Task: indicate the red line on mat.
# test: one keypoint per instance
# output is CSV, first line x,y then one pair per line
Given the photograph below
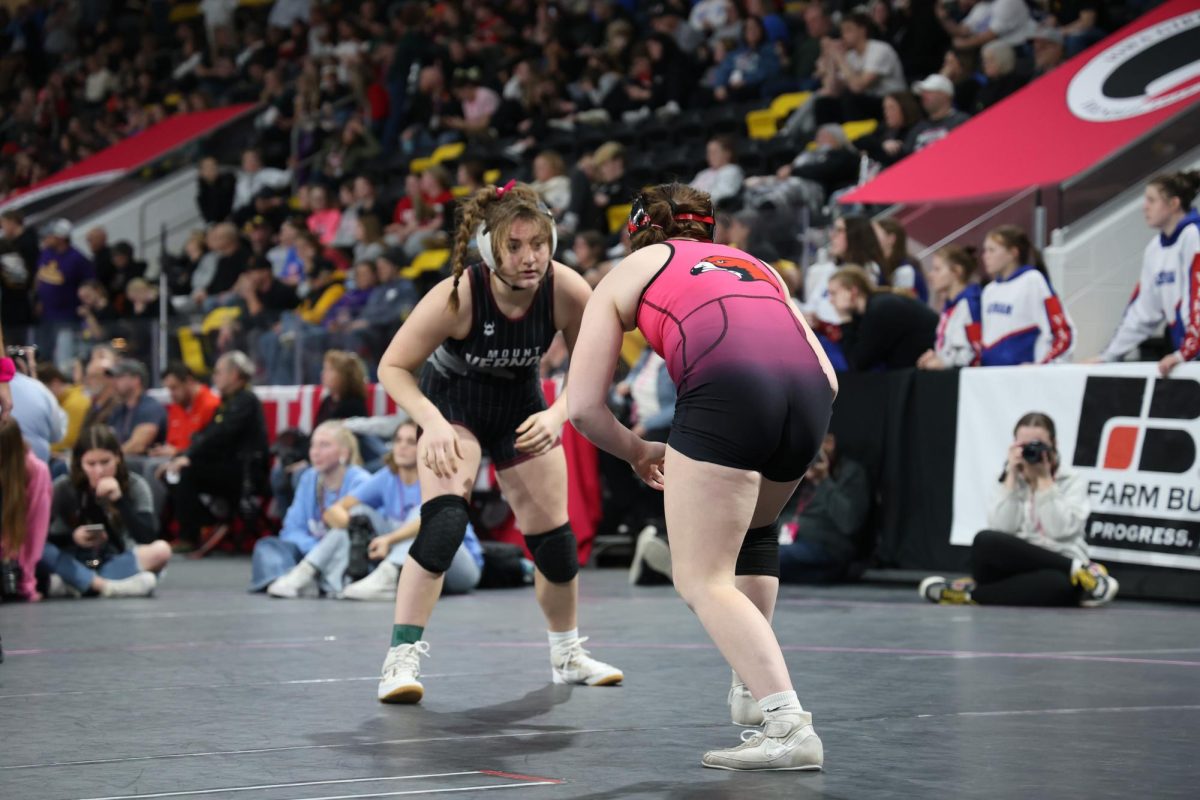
x,y
516,777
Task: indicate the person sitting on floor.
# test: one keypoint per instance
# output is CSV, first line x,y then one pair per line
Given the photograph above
x,y
831,508
103,536
376,525
288,564
1035,553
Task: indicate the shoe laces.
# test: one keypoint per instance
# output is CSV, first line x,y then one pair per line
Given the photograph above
x,y
751,735
405,657
571,651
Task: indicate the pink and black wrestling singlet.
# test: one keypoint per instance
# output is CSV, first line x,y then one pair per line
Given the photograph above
x,y
752,394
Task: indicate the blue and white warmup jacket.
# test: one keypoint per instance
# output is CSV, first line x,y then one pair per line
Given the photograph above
x,y
1024,321
1168,291
959,331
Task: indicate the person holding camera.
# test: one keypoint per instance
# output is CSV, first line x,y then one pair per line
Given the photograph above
x,y
24,514
103,532
1034,553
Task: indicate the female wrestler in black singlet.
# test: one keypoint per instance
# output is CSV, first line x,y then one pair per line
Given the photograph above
x,y
480,392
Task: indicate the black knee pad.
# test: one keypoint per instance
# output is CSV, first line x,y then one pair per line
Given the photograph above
x,y
760,552
443,526
555,553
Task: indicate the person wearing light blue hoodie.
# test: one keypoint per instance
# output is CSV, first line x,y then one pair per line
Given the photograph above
x,y
387,508
292,563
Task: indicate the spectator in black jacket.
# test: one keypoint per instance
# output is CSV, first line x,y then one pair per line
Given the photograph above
x,y
831,508
879,329
999,65
901,112
214,194
227,457
18,265
103,532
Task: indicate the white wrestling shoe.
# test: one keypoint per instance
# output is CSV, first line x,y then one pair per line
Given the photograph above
x,y
571,664
782,744
401,668
743,708
379,585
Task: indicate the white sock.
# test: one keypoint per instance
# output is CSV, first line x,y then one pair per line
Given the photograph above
x,y
306,569
1077,565
779,704
737,679
559,637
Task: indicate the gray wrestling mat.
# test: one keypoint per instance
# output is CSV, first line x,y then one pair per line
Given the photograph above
x,y
209,693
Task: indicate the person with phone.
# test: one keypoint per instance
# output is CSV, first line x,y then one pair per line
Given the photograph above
x,y
103,532
1034,553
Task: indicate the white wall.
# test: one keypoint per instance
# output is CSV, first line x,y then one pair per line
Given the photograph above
x,y
1095,263
139,217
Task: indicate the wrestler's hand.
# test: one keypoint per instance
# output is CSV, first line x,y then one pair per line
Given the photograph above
x,y
648,463
539,432
440,449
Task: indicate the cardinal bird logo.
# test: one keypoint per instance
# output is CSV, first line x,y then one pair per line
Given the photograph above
x,y
744,269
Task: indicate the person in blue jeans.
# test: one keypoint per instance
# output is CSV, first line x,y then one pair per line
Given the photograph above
x,y
103,536
388,508
285,565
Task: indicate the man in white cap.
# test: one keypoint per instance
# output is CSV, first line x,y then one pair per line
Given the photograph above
x,y
937,98
61,270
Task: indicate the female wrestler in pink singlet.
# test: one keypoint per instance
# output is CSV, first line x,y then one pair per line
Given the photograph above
x,y
755,392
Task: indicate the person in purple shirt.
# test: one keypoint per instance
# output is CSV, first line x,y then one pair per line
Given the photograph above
x,y
61,269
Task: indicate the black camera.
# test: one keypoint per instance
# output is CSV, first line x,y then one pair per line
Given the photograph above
x,y
1033,452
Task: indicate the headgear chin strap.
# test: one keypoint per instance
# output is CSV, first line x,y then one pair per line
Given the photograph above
x,y
483,237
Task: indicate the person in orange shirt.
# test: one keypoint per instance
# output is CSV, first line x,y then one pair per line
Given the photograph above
x,y
191,409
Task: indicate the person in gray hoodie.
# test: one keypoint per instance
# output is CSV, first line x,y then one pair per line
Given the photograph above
x,y
1035,553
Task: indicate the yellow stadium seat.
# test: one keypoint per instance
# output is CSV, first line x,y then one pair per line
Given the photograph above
x,y
448,152
184,12
618,216
785,104
859,128
491,176
761,123
459,191
632,346
426,261
192,351
419,165
218,318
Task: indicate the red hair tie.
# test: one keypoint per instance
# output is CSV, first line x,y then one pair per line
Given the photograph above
x,y
694,218
505,189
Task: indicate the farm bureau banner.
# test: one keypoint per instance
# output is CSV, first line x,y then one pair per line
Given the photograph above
x,y
1134,438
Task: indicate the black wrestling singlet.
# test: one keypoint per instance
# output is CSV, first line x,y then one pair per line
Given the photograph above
x,y
488,382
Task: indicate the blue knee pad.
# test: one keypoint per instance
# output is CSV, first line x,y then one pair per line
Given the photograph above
x,y
760,552
443,525
555,553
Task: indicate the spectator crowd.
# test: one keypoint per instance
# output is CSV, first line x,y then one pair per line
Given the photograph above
x,y
372,121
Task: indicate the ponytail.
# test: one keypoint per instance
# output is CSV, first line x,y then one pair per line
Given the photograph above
x,y
471,214
1181,185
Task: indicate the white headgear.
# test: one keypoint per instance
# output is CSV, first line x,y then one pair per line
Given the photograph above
x,y
483,235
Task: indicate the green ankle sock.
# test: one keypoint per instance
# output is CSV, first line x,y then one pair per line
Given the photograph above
x,y
406,634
